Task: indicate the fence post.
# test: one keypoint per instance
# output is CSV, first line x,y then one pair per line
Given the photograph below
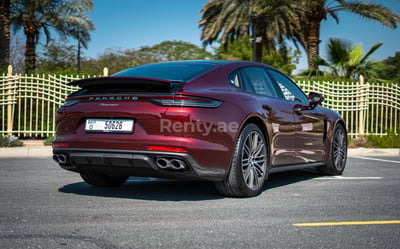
x,y
10,114
105,71
361,110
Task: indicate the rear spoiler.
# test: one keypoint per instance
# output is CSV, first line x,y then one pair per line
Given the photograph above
x,y
134,83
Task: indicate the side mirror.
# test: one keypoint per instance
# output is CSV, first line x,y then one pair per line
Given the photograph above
x,y
315,99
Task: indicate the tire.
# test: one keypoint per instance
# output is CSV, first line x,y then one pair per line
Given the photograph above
x,y
103,180
338,153
250,166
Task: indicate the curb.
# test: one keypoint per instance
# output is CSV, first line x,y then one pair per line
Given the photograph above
x,y
373,152
34,151
47,151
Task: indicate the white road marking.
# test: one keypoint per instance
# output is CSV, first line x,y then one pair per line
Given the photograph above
x,y
376,159
349,178
347,223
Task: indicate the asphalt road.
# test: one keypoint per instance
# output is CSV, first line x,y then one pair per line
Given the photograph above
x,y
43,206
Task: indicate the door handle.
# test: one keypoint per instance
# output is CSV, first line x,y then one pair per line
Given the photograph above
x,y
267,107
298,109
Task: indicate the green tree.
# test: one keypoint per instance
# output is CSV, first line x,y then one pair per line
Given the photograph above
x,y
114,59
4,34
347,60
228,20
67,18
318,10
57,58
241,49
282,58
299,21
175,50
389,68
117,60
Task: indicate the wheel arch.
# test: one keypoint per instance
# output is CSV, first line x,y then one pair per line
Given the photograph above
x,y
261,125
330,137
338,122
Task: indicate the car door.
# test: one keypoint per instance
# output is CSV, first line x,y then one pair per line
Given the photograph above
x,y
278,117
310,123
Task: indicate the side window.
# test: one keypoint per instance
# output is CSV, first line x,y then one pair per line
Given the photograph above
x,y
290,91
258,79
235,80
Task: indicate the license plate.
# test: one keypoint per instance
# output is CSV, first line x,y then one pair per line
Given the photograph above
x,y
109,125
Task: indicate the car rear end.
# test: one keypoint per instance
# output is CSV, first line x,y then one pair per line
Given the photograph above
x,y
141,126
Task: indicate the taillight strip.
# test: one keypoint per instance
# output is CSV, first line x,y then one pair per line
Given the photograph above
x,y
162,100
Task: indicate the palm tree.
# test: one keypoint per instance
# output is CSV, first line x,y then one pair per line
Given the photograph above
x,y
227,20
318,10
4,33
65,17
299,21
347,60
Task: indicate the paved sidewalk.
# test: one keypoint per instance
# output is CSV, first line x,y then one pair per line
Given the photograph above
x,y
373,152
37,149
31,148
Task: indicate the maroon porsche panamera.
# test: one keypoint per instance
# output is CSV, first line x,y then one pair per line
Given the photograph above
x,y
227,122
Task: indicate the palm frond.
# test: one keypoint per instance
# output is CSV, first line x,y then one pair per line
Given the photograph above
x,y
370,51
370,10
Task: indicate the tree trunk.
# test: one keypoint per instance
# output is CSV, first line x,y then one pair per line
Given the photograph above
x,y
313,43
4,34
31,31
315,14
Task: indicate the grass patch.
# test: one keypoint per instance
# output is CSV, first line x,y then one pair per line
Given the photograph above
x,y
391,140
48,141
10,142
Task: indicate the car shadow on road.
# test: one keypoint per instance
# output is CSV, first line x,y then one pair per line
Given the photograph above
x,y
290,177
144,188
158,189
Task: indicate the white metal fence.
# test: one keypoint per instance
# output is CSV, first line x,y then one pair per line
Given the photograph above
x,y
28,104
367,108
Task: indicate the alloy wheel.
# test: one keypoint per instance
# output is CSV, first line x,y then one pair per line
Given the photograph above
x,y
254,156
339,149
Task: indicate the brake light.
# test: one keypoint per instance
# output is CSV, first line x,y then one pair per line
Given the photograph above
x,y
60,145
167,148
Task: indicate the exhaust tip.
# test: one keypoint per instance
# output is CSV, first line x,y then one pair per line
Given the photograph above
x,y
163,163
171,163
178,164
60,158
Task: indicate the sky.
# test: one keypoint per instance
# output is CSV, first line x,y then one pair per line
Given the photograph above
x,y
127,24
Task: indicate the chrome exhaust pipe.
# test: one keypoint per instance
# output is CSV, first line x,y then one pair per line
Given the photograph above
x,y
60,158
166,163
163,163
178,164
55,158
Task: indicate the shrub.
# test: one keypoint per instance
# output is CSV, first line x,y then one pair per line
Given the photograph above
x,y
10,142
391,140
48,141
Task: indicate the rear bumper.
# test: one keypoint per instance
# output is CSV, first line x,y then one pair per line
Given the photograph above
x,y
134,163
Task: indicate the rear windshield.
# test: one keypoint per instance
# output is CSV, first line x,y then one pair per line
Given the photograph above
x,y
167,71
